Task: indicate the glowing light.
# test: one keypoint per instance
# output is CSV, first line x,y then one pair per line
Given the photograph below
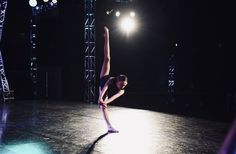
x,y
108,12
135,136
45,0
127,25
33,3
132,14
117,13
26,148
54,1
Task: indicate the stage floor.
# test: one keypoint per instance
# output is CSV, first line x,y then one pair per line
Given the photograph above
x,y
41,127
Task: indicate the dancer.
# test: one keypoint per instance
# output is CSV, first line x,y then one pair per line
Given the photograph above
x,y
110,88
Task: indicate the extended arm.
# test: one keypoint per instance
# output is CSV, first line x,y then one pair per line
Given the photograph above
x,y
102,92
112,98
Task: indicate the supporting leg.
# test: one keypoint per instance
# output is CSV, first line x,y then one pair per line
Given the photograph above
x,y
106,117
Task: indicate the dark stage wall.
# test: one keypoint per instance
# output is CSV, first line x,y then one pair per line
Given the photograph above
x,y
60,50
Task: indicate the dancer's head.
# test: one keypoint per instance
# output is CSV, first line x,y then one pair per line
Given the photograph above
x,y
121,81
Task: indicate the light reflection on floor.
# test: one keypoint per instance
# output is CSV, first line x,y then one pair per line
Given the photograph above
x,y
25,148
80,128
136,134
3,119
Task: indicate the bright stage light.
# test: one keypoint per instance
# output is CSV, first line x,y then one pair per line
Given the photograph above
x,y
108,12
45,0
132,14
117,13
33,3
54,1
127,25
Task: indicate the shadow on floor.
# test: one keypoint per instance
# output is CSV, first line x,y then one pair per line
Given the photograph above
x,y
90,149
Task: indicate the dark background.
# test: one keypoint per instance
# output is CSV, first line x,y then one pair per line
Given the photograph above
x,y
205,65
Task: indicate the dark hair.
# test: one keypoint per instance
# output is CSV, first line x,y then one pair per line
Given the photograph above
x,y
121,78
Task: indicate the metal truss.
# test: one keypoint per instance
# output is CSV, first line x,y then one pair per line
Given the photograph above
x,y
3,8
33,56
171,78
90,52
39,9
4,86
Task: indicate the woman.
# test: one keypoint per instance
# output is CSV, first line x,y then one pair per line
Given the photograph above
x,y
110,88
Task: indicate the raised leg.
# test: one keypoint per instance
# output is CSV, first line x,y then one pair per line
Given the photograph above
x,y
106,60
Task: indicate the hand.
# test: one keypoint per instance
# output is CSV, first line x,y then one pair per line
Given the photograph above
x,y
100,100
102,103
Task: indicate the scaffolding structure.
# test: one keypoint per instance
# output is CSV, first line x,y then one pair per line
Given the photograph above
x,y
90,52
5,92
171,78
33,55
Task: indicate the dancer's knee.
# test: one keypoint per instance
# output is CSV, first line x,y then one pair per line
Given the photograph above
x,y
102,106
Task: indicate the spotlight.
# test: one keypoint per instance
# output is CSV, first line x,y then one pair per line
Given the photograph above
x,y
37,7
132,14
109,12
51,3
127,25
117,13
33,3
45,0
54,1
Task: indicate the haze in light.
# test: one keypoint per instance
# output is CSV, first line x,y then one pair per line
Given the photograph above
x,y
132,14
127,25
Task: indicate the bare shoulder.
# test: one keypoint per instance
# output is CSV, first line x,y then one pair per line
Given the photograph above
x,y
110,78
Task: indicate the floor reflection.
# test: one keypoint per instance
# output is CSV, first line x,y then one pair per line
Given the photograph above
x,y
59,127
136,134
3,119
26,148
150,132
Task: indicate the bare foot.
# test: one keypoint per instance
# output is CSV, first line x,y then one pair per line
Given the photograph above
x,y
106,29
106,32
112,130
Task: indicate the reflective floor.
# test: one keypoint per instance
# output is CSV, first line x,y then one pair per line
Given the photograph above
x,y
40,127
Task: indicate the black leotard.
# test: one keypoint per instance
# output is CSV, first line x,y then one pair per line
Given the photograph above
x,y
112,88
